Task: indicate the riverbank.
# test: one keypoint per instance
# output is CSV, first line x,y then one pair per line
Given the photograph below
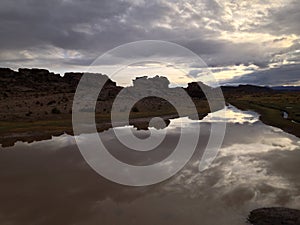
x,y
37,104
271,108
29,131
270,116
35,130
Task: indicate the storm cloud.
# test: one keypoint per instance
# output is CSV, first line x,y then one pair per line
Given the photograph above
x,y
287,74
69,34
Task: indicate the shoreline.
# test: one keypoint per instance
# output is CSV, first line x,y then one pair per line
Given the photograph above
x,y
29,131
269,116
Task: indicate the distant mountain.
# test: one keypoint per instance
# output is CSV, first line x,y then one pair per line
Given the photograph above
x,y
246,89
286,88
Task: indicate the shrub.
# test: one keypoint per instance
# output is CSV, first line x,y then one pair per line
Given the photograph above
x,y
55,111
135,109
29,113
51,102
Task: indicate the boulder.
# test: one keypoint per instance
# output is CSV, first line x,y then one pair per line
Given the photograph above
x,y
274,216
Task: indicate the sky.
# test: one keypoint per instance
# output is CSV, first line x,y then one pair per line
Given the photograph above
x,y
240,41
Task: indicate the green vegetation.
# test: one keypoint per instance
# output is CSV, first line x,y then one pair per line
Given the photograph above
x,y
11,131
269,105
271,108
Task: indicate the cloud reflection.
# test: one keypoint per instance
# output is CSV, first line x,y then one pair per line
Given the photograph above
x,y
257,166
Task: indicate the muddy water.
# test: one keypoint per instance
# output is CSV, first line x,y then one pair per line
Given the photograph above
x,y
48,182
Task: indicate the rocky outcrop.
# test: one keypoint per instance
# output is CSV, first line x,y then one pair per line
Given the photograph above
x,y
41,80
72,78
197,89
33,94
38,93
38,75
275,216
6,72
29,80
157,82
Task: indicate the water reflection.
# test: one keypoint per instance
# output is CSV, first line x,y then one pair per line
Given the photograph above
x,y
48,182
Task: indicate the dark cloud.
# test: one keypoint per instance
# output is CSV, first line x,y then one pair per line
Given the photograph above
x,y
285,20
75,32
287,74
204,47
98,26
59,23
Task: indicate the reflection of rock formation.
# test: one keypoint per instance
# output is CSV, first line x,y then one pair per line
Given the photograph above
x,y
144,124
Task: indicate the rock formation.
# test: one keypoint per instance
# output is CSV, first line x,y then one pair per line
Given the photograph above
x,y
275,216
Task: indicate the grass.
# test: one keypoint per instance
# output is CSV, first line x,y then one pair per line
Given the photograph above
x,y
11,131
271,108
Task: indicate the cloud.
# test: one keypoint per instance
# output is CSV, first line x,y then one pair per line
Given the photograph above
x,y
287,74
74,32
285,21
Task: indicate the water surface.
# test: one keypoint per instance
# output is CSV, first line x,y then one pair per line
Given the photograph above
x,y
48,182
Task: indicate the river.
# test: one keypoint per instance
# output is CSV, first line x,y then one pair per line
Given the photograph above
x,y
48,182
